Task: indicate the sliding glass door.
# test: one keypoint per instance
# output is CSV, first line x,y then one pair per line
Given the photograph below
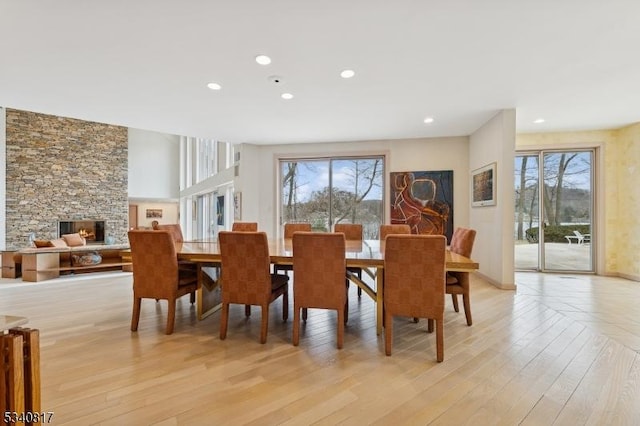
x,y
556,186
327,191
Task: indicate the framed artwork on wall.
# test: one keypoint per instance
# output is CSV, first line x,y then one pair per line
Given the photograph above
x,y
483,186
237,205
423,200
154,213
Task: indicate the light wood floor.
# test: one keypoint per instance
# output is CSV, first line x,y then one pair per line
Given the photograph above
x,y
560,350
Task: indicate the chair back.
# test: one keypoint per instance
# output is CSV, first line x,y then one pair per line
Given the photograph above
x,y
244,227
290,228
245,275
174,229
462,241
394,229
319,267
414,275
155,263
351,231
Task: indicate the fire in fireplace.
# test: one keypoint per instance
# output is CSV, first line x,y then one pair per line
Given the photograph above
x,y
91,230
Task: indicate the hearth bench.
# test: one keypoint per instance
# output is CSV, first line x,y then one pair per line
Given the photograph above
x,y
39,264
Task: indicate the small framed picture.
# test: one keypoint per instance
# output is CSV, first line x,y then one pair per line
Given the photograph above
x,y
483,186
154,213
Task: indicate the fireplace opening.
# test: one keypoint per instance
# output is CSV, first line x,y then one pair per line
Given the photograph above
x,y
91,230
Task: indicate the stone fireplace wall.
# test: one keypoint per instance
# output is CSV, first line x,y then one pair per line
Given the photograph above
x,y
63,169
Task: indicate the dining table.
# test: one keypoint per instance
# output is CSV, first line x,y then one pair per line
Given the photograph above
x,y
365,254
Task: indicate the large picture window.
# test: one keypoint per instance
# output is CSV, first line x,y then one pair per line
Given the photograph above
x,y
326,191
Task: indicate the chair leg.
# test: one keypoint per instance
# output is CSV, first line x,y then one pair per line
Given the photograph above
x,y
341,321
467,308
296,325
388,332
285,306
430,325
247,310
359,289
171,315
440,339
304,314
135,317
264,324
454,299
346,310
224,320
192,297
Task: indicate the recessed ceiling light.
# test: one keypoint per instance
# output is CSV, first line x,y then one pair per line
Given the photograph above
x,y
538,120
286,96
347,73
428,120
214,86
263,59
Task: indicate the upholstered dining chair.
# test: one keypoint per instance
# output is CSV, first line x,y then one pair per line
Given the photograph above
x,y
319,267
246,277
176,233
393,229
289,230
414,283
174,229
458,282
352,232
156,274
244,227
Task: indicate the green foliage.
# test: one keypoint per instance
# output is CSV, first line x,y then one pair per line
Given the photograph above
x,y
556,234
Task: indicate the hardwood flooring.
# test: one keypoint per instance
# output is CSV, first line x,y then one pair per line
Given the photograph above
x,y
562,349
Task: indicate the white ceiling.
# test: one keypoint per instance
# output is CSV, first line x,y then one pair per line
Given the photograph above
x,y
146,63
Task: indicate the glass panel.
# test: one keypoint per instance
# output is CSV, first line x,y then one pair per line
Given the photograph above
x,y
527,209
357,193
567,201
305,193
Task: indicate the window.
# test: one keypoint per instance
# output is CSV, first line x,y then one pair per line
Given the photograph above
x,y
326,191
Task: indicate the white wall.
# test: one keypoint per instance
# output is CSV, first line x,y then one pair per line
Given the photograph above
x,y
493,247
154,165
170,213
258,180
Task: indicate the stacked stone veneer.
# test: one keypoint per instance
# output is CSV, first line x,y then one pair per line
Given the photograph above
x,y
63,169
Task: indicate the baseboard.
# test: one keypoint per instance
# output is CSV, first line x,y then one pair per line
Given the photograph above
x,y
631,277
501,286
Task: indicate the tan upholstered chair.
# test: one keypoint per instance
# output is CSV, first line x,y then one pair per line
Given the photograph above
x,y
352,232
246,277
244,227
174,229
458,282
289,229
393,229
414,282
319,268
156,274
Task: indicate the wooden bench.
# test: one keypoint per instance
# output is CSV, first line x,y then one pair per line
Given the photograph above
x,y
48,263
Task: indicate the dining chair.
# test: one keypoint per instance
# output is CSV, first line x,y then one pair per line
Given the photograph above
x,y
289,230
458,282
394,229
244,227
176,233
156,274
352,232
319,267
414,282
246,278
174,229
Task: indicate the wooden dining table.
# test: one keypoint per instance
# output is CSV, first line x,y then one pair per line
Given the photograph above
x,y
365,254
